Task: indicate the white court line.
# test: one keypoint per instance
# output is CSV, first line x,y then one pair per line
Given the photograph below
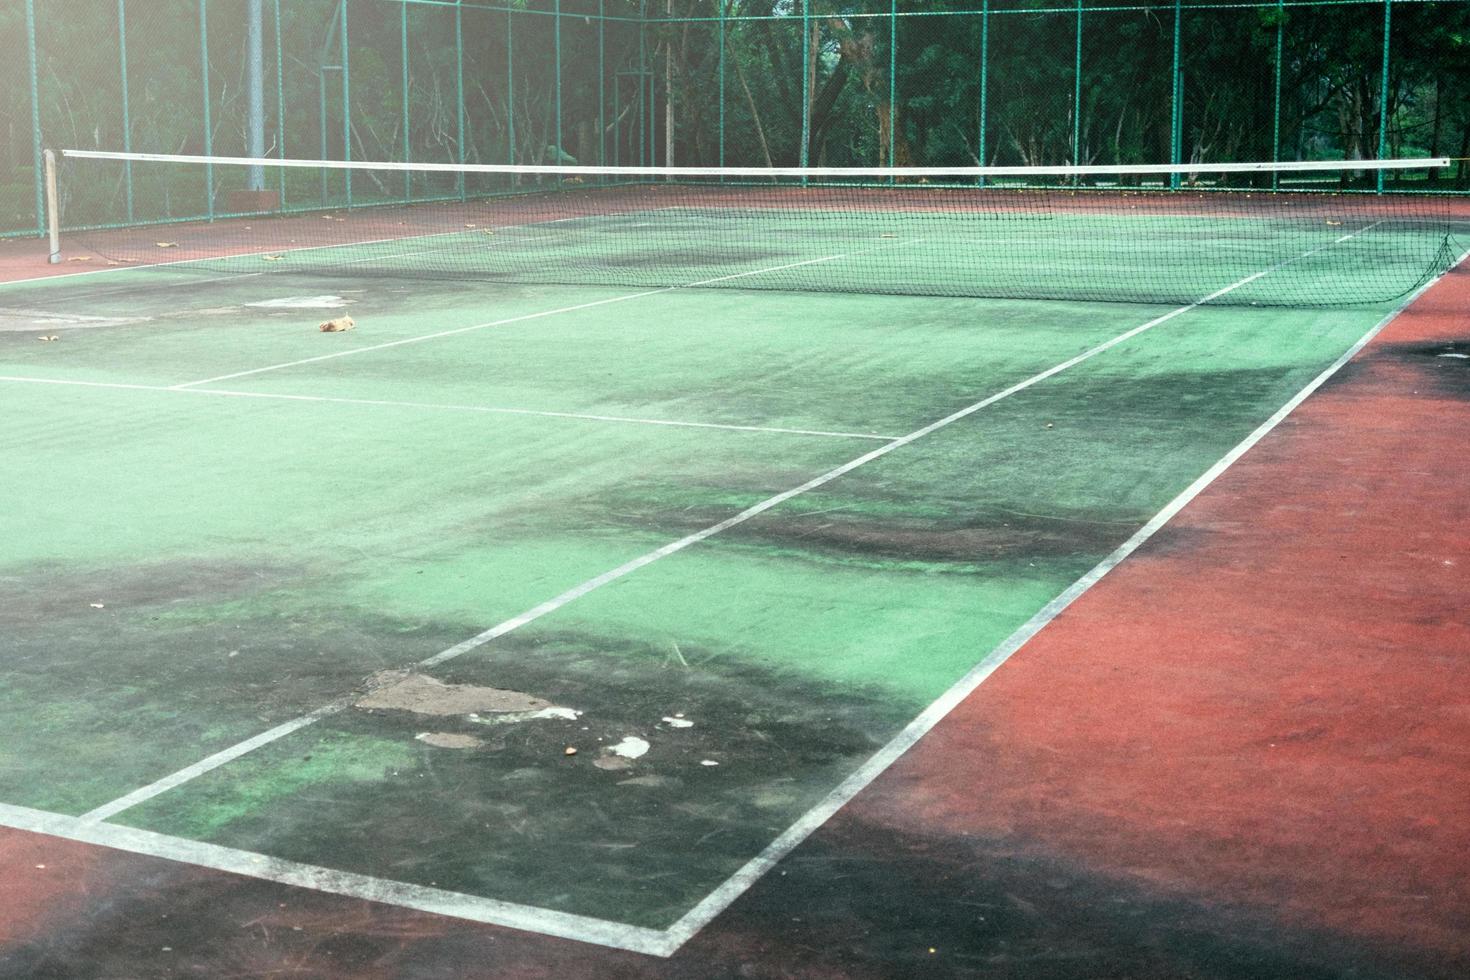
x,y
424,899
517,319
631,937
441,406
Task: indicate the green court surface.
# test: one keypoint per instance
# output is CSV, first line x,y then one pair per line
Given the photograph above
x,y
219,520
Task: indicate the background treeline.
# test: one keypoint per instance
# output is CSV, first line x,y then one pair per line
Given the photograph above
x,y
742,80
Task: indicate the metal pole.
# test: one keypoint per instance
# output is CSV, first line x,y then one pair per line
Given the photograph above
x,y
984,76
280,98
208,125
556,57
255,91
321,117
38,161
1176,97
510,89
807,68
459,92
1077,94
1276,100
669,87
1383,93
346,105
722,83
892,85
601,86
403,57
53,217
122,65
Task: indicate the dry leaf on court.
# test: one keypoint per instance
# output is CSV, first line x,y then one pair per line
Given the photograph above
x,y
338,325
167,244
271,258
47,338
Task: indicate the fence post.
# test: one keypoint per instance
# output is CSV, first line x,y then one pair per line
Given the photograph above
x,y
984,78
459,120
255,91
280,98
346,103
1383,93
602,85
804,156
556,45
1276,98
208,124
892,86
127,124
1176,103
407,112
38,161
1077,96
721,9
510,88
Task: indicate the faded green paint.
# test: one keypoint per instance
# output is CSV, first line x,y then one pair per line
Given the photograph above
x,y
258,558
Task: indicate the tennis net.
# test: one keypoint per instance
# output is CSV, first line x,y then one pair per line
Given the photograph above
x,y
1252,234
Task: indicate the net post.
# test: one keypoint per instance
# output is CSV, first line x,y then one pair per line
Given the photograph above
x,y
892,86
459,125
1383,91
1276,97
1176,98
127,124
208,123
38,162
346,63
1077,96
53,208
984,79
668,85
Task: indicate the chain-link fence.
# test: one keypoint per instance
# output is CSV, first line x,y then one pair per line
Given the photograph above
x,y
709,82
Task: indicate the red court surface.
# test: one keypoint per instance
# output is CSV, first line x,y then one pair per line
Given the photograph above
x,y
1244,753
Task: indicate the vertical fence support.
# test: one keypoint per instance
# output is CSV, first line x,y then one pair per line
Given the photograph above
x,y
806,84
208,124
510,88
556,58
1276,97
984,80
346,103
1383,91
459,121
407,109
1176,100
669,86
127,122
892,87
1077,93
721,9
255,91
38,161
601,86
280,98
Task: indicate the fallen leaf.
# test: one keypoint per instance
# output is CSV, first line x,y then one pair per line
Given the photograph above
x,y
339,325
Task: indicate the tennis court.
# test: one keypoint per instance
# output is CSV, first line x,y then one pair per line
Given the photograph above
x,y
574,608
